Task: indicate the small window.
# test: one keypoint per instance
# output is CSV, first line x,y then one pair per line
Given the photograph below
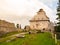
x,y
50,30
43,28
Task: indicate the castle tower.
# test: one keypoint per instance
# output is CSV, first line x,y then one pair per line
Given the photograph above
x,y
40,21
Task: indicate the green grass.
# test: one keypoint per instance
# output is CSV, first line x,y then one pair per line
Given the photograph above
x,y
32,39
8,34
58,42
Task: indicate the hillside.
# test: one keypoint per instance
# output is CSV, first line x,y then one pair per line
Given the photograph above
x,y
32,39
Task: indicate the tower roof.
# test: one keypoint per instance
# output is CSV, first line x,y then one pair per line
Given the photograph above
x,y
41,16
41,10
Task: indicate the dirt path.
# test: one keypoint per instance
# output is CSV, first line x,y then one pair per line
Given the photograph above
x,y
14,36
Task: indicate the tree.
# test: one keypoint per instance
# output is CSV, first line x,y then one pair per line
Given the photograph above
x,y
20,26
58,18
17,25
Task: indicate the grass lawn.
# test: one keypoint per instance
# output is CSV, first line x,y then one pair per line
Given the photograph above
x,y
58,42
32,39
8,34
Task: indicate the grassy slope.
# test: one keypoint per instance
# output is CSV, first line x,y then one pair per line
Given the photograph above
x,y
58,42
32,39
8,34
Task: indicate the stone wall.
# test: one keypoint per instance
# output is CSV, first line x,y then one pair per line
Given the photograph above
x,y
7,26
39,25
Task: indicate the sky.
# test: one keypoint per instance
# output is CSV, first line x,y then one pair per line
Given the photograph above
x,y
21,11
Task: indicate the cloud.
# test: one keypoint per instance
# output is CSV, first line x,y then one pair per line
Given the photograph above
x,y
21,11
50,1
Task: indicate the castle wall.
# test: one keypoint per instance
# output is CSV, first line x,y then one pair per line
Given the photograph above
x,y
7,26
39,25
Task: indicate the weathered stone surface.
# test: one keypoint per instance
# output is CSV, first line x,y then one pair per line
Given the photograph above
x,y
41,22
7,26
20,36
27,28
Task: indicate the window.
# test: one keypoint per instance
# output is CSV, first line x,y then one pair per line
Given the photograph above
x,y
43,28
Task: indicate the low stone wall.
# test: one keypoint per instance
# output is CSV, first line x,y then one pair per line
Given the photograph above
x,y
7,26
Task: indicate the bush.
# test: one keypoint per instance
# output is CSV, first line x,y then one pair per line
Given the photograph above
x,y
57,28
2,33
58,35
38,31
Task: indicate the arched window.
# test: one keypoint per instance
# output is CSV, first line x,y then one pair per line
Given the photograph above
x,y
43,28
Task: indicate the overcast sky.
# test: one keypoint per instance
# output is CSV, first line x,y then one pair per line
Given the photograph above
x,y
21,11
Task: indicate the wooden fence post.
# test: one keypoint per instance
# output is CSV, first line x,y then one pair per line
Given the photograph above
x,y
55,39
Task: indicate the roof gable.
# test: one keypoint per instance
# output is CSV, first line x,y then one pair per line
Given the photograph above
x,y
41,15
